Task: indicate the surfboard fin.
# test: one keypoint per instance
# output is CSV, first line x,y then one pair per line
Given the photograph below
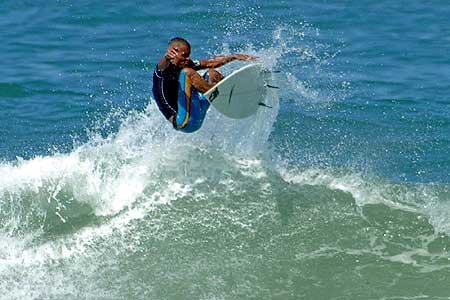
x,y
265,105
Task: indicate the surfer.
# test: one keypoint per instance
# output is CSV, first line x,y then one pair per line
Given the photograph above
x,y
178,88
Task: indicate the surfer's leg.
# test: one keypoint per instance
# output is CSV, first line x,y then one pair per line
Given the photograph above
x,y
197,81
192,105
214,76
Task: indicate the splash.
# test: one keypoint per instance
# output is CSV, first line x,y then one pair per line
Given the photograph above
x,y
109,174
423,200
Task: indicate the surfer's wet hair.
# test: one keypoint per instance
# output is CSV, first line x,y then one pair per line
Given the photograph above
x,y
179,40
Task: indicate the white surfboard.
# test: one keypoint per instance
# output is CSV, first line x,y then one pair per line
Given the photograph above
x,y
240,94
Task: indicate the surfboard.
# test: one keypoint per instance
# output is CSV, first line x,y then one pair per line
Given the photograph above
x,y
240,94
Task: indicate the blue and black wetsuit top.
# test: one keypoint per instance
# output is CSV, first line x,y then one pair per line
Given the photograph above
x,y
166,86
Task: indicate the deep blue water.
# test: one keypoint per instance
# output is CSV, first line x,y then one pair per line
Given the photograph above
x,y
341,191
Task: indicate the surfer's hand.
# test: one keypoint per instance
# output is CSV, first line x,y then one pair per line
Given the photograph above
x,y
171,54
244,57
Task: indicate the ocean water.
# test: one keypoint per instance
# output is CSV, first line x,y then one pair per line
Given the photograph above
x,y
340,191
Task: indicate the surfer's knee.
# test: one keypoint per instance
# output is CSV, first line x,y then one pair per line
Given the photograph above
x,y
214,76
197,81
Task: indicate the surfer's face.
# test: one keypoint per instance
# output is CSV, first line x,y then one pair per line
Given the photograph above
x,y
182,57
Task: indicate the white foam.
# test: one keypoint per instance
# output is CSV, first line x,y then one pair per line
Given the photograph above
x,y
251,168
122,178
422,199
364,191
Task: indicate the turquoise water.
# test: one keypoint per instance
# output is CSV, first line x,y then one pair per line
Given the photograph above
x,y
340,191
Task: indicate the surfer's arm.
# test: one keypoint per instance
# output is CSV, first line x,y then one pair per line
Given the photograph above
x,y
221,60
164,62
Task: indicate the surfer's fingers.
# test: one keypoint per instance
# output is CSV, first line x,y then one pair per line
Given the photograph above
x,y
246,57
171,53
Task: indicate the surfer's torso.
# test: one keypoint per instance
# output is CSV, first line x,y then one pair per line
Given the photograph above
x,y
165,87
